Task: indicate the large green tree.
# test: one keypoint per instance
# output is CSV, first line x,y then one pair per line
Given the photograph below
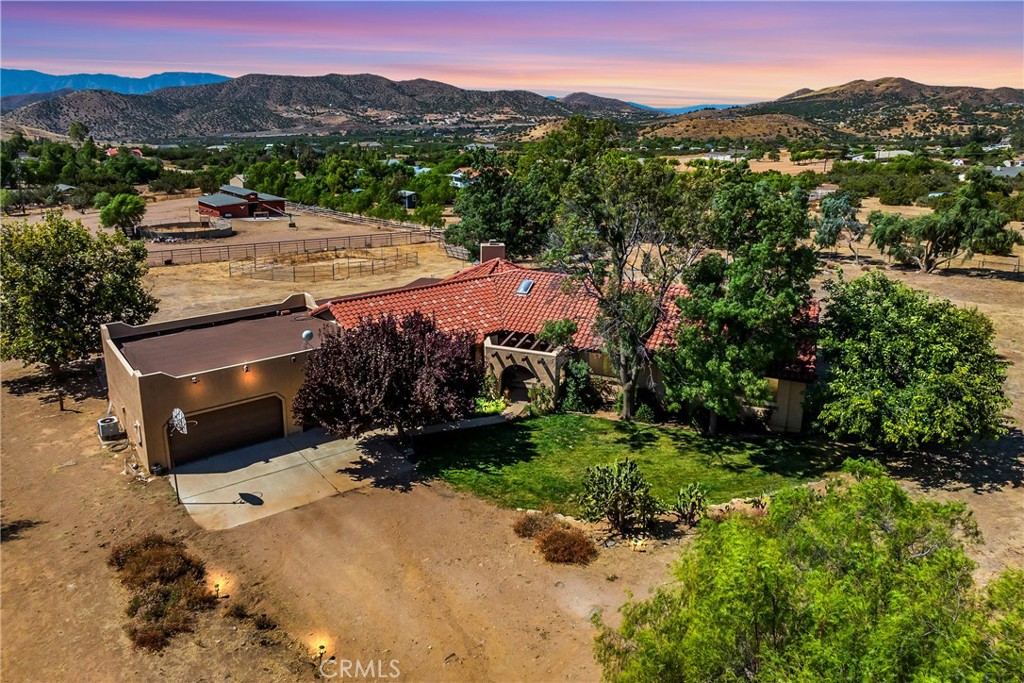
x,y
861,583
972,222
497,205
905,370
839,221
621,235
124,212
59,284
742,316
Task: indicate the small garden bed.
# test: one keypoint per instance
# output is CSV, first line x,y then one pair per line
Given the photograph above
x,y
541,462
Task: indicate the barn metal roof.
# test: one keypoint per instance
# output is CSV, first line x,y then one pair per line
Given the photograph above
x,y
221,200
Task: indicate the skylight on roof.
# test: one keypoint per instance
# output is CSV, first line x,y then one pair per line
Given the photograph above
x,y
524,287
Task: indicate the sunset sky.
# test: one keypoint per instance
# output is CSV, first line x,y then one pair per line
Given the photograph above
x,y
657,53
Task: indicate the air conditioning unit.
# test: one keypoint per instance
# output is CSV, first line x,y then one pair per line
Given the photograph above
x,y
109,428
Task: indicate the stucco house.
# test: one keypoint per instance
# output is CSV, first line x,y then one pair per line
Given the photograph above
x,y
234,374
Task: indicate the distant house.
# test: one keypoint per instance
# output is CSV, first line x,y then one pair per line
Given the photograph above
x,y
822,191
958,162
1005,171
461,177
61,188
408,198
719,156
419,170
489,146
884,155
114,151
368,145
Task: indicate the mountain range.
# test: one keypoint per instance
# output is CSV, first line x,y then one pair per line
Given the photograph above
x,y
264,105
29,82
282,105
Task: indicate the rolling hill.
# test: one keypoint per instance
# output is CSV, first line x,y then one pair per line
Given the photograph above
x,y
595,104
736,124
12,102
275,105
892,107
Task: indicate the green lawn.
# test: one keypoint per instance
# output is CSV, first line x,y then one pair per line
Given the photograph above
x,y
541,461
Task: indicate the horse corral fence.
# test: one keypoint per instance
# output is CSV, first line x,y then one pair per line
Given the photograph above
x,y
257,250
341,264
359,219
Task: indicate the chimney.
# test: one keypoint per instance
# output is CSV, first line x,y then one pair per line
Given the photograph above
x,y
491,250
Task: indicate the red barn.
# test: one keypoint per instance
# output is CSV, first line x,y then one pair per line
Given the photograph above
x,y
223,206
257,202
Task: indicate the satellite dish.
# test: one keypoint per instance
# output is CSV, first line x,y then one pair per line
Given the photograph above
x,y
307,335
178,421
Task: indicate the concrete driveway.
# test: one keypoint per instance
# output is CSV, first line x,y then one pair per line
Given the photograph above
x,y
240,486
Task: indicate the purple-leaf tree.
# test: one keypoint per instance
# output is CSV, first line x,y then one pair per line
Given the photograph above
x,y
389,372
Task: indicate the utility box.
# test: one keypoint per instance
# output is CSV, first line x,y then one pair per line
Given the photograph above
x,y
109,428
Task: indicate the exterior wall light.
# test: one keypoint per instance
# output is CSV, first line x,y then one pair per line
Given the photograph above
x,y
195,380
245,368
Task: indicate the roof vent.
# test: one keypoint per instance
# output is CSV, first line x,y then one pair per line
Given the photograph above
x,y
524,287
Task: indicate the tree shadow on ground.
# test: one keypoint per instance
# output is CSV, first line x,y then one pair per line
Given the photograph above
x,y
13,530
983,467
383,464
795,457
79,381
485,449
788,456
636,435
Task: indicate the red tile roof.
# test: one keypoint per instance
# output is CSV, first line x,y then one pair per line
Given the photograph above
x,y
483,300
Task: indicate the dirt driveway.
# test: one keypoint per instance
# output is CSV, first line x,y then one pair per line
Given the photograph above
x,y
397,569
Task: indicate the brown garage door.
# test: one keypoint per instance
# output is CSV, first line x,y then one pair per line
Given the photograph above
x,y
228,428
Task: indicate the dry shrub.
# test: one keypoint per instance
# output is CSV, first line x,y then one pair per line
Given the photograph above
x,y
168,587
566,545
154,560
239,611
152,637
264,623
530,524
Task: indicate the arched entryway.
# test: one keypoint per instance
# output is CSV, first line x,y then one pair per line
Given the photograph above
x,y
516,381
